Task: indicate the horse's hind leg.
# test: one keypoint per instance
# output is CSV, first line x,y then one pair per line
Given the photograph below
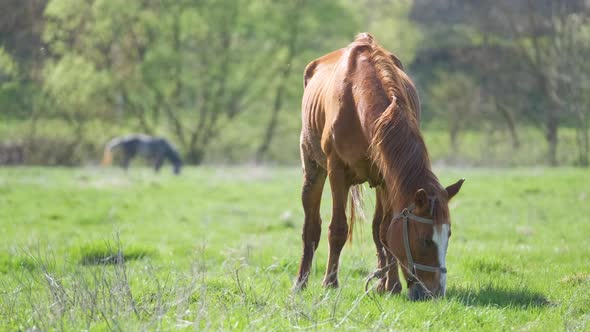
x,y
311,194
338,230
377,220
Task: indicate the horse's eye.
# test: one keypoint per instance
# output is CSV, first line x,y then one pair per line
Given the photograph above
x,y
427,243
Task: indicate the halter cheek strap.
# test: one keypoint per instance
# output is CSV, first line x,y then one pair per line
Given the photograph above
x,y
407,215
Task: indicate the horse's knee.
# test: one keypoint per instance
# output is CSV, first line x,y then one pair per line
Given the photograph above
x,y
311,195
382,234
376,230
307,197
338,233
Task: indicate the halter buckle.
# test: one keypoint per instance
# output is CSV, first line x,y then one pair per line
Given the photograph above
x,y
405,212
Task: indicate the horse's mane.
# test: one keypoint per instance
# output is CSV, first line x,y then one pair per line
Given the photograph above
x,y
397,147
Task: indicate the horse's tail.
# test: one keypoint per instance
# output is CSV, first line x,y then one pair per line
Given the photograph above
x,y
356,208
107,157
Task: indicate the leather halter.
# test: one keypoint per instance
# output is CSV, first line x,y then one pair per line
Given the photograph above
x,y
407,215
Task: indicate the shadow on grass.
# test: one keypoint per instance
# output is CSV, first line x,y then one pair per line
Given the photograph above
x,y
106,256
501,297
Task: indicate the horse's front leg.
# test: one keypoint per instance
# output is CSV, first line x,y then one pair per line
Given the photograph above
x,y
377,221
338,229
392,284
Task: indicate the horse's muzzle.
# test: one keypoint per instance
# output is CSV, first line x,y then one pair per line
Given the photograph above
x,y
418,293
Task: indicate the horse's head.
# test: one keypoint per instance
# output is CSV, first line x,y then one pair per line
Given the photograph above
x,y
419,237
177,167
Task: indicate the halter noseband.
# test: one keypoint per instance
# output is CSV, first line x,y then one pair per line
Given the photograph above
x,y
406,215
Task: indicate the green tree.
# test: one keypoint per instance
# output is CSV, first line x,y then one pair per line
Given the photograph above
x,y
513,49
187,68
21,25
8,82
292,34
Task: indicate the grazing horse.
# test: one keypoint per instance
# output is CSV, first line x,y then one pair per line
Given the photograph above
x,y
360,115
153,148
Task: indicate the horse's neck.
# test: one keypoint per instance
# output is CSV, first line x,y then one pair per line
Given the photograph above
x,y
407,178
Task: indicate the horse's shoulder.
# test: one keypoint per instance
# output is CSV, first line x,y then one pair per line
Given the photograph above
x,y
309,71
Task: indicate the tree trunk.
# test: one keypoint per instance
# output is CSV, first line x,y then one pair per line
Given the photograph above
x,y
551,115
584,162
453,135
582,140
510,122
194,155
278,102
454,129
272,124
551,136
35,114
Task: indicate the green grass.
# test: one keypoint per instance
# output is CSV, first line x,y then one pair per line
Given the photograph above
x,y
218,248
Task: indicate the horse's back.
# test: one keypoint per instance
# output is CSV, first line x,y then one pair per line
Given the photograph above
x,y
335,122
342,100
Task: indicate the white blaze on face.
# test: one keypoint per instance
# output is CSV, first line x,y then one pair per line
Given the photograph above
x,y
441,238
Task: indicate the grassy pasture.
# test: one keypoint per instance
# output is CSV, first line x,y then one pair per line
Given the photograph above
x,y
218,248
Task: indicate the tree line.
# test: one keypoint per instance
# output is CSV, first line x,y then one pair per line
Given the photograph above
x,y
205,71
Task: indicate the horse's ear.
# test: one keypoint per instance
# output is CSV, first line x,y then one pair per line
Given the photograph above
x,y
453,189
421,198
396,61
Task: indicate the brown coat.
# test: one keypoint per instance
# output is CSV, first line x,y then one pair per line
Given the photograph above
x,y
360,123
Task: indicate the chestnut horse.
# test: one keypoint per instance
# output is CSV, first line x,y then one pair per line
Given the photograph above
x,y
361,124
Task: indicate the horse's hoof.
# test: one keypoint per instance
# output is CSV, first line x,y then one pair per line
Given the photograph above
x,y
331,283
300,284
380,288
395,289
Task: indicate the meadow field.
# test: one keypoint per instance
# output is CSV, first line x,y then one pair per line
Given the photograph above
x,y
217,248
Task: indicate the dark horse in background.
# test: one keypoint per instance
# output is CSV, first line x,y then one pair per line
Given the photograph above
x,y
360,115
155,149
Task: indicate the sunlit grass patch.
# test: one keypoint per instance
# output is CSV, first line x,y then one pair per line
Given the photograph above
x,y
576,279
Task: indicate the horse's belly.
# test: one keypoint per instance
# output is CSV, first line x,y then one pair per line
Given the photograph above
x,y
144,150
314,119
352,147
365,171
